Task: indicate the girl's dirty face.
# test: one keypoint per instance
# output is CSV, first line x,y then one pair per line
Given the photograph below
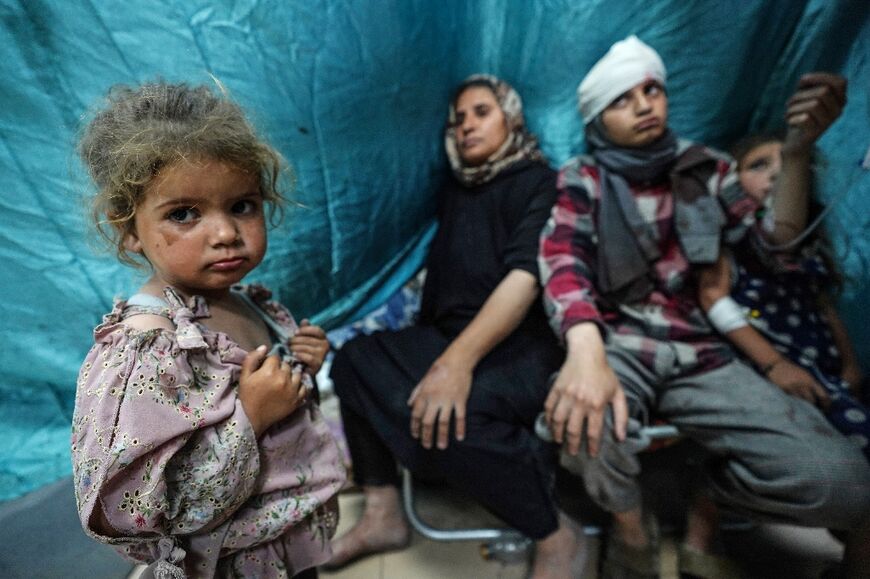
x,y
201,226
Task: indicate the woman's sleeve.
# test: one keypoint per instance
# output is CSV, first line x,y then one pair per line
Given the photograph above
x,y
161,444
522,248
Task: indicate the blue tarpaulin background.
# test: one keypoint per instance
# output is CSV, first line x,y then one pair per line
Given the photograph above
x,y
354,93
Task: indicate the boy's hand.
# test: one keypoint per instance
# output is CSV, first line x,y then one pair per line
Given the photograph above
x,y
585,386
269,390
813,108
310,346
714,282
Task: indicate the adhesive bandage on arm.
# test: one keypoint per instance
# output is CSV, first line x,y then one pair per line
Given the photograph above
x,y
726,315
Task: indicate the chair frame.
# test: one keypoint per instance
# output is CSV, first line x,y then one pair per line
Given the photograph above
x,y
503,544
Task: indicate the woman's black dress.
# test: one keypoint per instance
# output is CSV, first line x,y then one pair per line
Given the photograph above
x,y
484,232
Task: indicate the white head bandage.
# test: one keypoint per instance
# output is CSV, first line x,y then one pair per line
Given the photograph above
x,y
628,62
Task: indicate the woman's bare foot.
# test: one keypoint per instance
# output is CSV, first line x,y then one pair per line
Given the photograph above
x,y
381,528
562,554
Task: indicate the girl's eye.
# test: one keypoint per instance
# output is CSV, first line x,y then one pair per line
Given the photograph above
x,y
182,215
481,110
460,118
245,207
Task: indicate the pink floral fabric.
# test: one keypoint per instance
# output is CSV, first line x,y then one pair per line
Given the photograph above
x,y
162,449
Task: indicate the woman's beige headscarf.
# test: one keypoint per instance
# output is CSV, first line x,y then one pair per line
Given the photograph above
x,y
519,144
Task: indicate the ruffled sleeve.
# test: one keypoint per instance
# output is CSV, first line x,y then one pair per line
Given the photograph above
x,y
160,442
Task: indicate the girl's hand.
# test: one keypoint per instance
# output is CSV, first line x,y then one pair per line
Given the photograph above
x,y
443,391
796,381
852,375
310,346
269,390
714,282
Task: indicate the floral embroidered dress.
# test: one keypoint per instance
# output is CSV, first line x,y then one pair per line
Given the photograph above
x,y
167,467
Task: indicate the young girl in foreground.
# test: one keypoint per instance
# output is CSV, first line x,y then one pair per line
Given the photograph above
x,y
195,448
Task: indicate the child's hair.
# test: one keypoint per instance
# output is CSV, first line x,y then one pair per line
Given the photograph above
x,y
742,146
146,128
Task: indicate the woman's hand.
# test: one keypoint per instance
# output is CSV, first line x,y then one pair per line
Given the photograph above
x,y
796,381
310,346
714,282
585,387
269,389
443,391
813,108
445,388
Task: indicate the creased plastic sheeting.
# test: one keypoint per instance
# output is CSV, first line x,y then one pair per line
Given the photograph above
x,y
354,93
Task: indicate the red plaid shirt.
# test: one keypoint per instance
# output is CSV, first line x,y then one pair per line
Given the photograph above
x,y
671,312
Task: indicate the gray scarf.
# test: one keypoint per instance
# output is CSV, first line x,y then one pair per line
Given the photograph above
x,y
627,244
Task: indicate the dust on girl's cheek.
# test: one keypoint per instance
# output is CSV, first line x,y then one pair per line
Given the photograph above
x,y
168,236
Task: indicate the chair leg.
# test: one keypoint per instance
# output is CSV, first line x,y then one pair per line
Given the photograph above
x,y
430,532
502,544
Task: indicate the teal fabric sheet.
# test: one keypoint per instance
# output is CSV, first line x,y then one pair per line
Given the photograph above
x,y
354,93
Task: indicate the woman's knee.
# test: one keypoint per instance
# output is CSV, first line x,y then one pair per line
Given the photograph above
x,y
343,371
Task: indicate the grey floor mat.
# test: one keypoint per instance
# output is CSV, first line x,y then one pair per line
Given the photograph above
x,y
40,537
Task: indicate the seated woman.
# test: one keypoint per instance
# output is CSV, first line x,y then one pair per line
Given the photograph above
x,y
477,363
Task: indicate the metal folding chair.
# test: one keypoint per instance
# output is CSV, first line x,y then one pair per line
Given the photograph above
x,y
500,544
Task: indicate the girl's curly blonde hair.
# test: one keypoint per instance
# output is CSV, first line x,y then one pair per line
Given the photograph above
x,y
143,129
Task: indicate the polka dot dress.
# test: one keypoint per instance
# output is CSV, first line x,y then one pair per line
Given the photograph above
x,y
784,307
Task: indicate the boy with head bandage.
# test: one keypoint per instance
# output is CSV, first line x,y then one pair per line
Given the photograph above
x,y
634,222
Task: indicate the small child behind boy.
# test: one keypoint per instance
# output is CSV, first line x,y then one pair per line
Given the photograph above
x,y
780,314
195,449
781,318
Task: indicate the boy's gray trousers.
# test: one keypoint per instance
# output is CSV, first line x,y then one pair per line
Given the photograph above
x,y
774,456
